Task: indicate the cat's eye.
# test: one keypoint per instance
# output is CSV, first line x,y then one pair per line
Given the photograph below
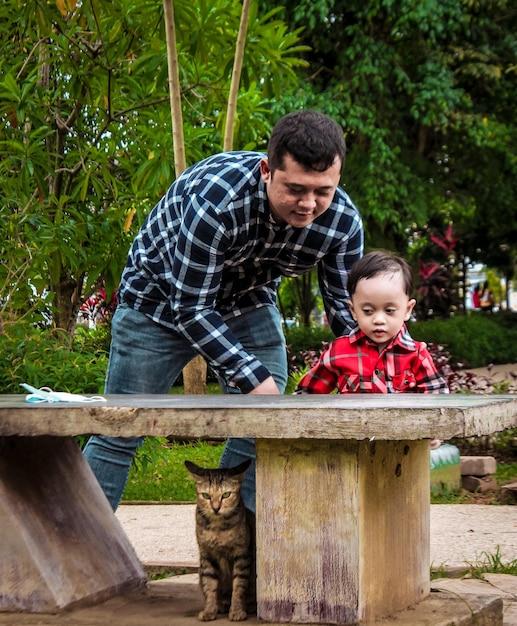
x,y
206,496
226,494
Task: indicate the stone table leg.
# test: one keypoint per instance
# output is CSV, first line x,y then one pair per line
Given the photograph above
x,y
60,543
342,529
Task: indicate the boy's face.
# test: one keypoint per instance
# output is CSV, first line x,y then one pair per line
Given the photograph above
x,y
380,306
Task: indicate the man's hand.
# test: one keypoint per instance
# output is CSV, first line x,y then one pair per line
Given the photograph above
x,y
267,387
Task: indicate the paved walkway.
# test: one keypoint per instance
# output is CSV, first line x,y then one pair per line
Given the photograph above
x,y
498,372
163,534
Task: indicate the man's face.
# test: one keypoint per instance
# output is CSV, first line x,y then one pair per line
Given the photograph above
x,y
297,196
380,306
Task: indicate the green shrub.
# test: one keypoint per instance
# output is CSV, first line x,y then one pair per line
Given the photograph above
x,y
94,340
307,338
475,340
48,358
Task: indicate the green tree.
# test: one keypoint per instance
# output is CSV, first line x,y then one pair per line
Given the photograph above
x,y
85,139
425,92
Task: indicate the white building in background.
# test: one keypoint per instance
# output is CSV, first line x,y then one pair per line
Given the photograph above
x,y
476,275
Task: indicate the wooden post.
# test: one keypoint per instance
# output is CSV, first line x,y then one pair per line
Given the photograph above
x,y
61,544
349,522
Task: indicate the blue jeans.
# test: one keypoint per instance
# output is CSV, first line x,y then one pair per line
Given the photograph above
x,y
147,358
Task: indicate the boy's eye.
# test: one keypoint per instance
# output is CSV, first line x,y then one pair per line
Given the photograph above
x,y
227,494
367,311
206,496
390,311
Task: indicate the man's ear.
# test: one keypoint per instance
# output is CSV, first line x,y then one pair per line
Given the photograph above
x,y
265,172
410,306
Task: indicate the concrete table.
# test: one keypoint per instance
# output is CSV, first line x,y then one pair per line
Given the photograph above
x,y
342,496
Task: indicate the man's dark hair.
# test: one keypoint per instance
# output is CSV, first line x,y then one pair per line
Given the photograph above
x,y
379,262
313,139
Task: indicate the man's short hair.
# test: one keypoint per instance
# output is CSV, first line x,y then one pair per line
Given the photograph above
x,y
313,139
379,262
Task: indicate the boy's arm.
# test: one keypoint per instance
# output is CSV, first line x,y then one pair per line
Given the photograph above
x,y
428,380
320,378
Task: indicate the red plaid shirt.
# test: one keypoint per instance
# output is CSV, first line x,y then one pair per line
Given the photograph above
x,y
353,364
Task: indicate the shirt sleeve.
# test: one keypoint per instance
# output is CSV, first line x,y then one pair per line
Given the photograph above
x,y
428,380
321,378
197,265
333,273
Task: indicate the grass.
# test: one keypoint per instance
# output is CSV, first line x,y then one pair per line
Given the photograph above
x,y
158,473
493,564
488,563
505,473
451,497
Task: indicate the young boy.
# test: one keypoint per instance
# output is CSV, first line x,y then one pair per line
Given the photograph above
x,y
379,356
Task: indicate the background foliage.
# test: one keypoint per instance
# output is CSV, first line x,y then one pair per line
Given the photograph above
x,y
78,364
85,131
424,92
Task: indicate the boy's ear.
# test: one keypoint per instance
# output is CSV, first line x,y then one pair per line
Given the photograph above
x,y
351,307
410,306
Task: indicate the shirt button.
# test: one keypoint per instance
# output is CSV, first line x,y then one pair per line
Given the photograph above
x,y
378,373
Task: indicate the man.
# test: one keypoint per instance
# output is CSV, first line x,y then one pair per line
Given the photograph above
x,y
202,274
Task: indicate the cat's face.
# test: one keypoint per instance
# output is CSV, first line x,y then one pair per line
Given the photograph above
x,y
218,490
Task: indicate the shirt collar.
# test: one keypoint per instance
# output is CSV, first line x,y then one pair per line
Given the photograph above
x,y
402,339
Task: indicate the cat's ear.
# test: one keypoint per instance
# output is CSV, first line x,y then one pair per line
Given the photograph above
x,y
238,469
194,469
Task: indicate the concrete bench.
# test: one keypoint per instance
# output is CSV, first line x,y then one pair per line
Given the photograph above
x,y
342,496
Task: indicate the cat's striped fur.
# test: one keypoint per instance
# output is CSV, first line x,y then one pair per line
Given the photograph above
x,y
225,532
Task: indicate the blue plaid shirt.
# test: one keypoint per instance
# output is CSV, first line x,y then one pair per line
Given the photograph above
x,y
210,249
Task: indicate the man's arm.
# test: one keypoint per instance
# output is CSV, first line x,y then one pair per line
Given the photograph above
x,y
333,275
266,388
197,267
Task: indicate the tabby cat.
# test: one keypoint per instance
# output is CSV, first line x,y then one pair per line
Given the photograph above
x,y
225,532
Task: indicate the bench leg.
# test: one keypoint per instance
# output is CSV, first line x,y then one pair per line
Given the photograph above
x,y
60,543
342,529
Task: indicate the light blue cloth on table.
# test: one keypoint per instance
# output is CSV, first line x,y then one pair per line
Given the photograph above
x,y
45,394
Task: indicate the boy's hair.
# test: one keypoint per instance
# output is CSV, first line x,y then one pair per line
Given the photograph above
x,y
379,262
313,139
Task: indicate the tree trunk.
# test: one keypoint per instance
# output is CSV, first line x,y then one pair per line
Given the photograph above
x,y
194,374
304,295
236,77
68,299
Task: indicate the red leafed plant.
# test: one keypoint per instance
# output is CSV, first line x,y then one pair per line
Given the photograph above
x,y
448,242
436,291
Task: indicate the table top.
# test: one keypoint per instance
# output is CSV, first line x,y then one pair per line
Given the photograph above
x,y
361,416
